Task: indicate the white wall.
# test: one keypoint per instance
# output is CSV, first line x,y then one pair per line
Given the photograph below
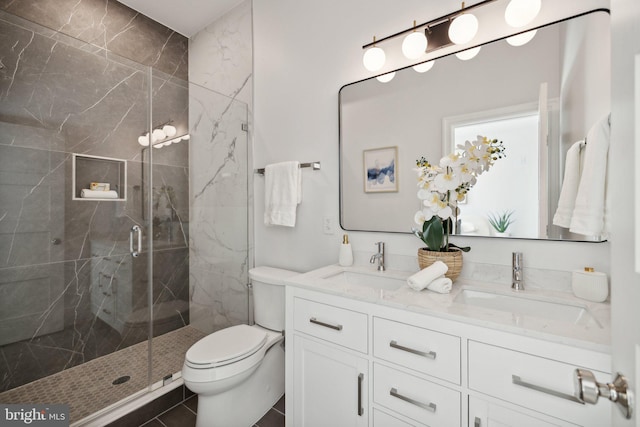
x,y
303,53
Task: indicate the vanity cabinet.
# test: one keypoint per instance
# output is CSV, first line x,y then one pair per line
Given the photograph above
x,y
356,363
331,383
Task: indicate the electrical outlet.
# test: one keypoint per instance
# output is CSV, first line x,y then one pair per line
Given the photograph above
x,y
328,226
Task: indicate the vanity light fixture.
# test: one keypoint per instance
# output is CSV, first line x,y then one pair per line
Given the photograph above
x,y
374,57
415,44
521,12
466,55
463,28
522,38
424,67
160,133
385,78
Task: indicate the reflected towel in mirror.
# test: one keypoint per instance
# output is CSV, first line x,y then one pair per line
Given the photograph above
x,y
570,183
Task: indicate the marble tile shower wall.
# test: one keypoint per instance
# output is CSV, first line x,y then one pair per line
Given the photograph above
x,y
220,76
61,95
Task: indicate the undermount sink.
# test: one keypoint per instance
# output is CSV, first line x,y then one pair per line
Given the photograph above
x,y
370,280
528,306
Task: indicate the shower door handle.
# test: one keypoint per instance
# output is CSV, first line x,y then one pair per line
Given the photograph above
x,y
135,230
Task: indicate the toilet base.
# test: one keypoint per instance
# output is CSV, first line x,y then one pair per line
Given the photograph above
x,y
245,404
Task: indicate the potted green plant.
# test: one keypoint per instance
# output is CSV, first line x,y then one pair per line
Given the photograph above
x,y
501,222
441,187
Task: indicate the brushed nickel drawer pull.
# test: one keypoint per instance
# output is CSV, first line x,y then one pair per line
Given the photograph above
x,y
428,355
515,379
431,407
326,325
360,408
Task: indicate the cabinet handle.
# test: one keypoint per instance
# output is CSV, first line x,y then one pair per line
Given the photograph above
x,y
429,355
360,408
515,379
431,407
476,422
326,325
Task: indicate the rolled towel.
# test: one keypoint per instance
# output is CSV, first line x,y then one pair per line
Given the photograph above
x,y
98,194
424,277
441,285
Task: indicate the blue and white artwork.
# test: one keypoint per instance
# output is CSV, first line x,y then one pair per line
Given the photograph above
x,y
380,170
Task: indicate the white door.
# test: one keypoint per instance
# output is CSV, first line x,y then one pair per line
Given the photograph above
x,y
624,154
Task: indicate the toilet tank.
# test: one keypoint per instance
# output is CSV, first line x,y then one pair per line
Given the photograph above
x,y
268,296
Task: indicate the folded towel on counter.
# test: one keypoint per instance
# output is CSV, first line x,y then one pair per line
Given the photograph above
x,y
424,277
98,194
589,212
441,285
567,200
282,193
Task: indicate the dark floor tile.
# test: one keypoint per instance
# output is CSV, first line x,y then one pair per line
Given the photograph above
x,y
153,423
180,416
192,403
271,419
150,410
280,405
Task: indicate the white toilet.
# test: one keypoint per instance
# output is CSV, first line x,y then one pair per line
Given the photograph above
x,y
238,372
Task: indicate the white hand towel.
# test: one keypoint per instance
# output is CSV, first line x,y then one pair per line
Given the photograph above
x,y
282,193
98,194
567,199
441,285
589,212
424,277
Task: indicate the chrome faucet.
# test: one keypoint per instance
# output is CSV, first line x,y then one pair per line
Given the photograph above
x,y
517,283
379,256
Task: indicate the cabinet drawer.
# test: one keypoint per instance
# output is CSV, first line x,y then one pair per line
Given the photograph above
x,y
382,419
338,325
423,350
510,375
418,399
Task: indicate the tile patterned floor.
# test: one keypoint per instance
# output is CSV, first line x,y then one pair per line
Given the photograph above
x,y
184,415
88,388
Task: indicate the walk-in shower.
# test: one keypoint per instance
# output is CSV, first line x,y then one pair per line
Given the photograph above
x,y
89,277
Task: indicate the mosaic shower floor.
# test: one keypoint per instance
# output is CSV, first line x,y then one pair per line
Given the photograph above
x,y
89,387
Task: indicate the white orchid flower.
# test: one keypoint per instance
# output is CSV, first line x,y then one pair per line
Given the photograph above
x,y
447,181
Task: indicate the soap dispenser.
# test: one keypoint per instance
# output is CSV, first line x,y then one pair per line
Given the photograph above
x,y
345,257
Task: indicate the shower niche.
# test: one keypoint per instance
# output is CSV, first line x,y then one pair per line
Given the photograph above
x,y
98,178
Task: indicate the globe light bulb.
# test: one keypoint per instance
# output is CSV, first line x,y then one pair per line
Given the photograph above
x,y
169,130
144,140
521,39
424,67
521,12
373,59
466,55
386,77
414,45
463,29
158,135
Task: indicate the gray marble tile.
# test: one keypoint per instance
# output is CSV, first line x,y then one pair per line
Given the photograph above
x,y
110,25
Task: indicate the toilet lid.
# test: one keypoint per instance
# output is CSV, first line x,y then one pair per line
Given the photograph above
x,y
226,346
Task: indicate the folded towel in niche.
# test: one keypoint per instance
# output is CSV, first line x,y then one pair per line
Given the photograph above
x,y
424,277
98,194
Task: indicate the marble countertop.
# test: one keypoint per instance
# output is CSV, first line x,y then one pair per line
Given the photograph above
x,y
592,330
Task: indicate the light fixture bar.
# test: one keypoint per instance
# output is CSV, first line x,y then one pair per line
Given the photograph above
x,y
428,24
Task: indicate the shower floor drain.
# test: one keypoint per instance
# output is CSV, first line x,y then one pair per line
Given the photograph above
x,y
121,380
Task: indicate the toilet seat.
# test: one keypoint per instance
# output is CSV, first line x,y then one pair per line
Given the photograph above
x,y
225,347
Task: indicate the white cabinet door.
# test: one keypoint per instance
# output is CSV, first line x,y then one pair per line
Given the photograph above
x,y
330,386
485,414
